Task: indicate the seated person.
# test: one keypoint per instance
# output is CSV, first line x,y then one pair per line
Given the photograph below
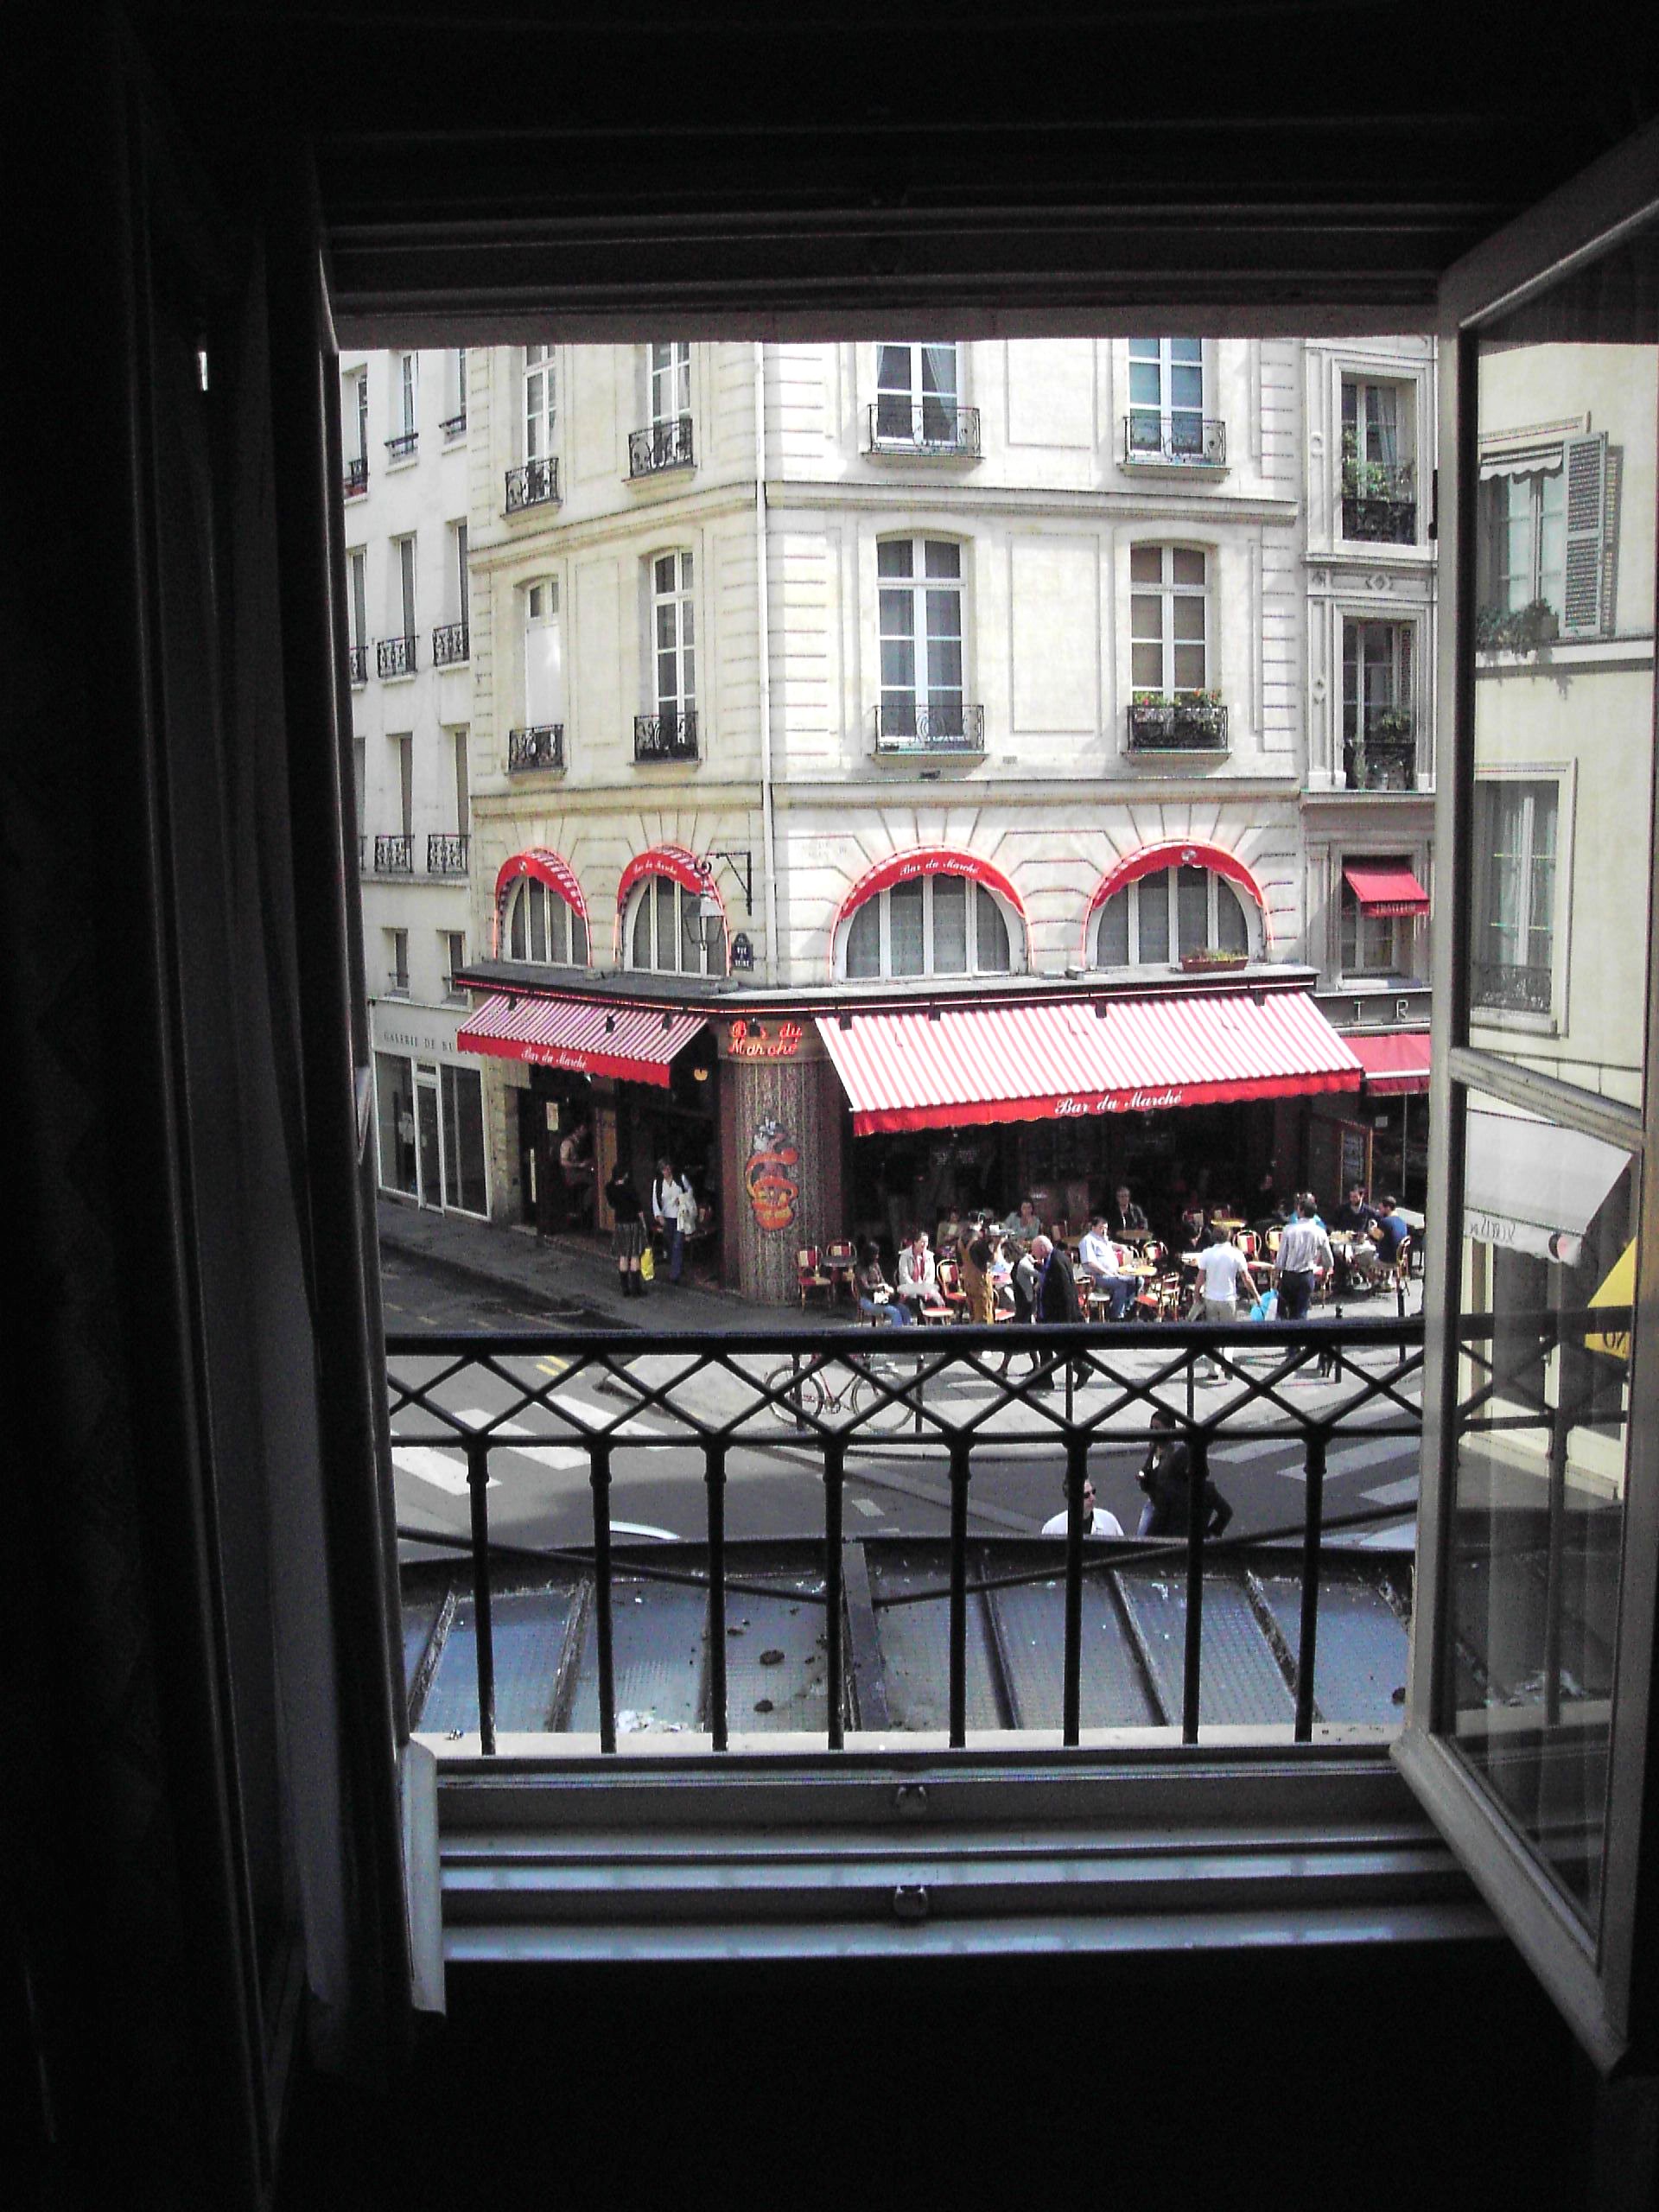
x,y
1191,1228
1393,1230
948,1237
1023,1223
1107,1265
918,1279
874,1298
1128,1219
1271,1212
1355,1216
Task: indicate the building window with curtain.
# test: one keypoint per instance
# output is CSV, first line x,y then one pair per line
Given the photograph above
x,y
941,924
918,590
1379,475
1372,944
1379,737
667,932
539,927
1514,952
919,405
667,730
1540,549
1167,419
1168,915
1172,706
665,442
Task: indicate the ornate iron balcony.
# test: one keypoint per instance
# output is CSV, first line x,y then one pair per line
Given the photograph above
x,y
664,445
1380,760
542,747
357,476
453,425
1505,988
1180,441
395,656
936,428
907,726
534,485
446,852
358,657
665,737
401,447
1178,725
1379,502
450,644
394,856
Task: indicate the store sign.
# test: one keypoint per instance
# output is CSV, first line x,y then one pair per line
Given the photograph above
x,y
1119,1102
769,1177
431,1043
555,1056
743,954
752,1041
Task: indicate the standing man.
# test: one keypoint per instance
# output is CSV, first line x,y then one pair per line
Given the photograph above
x,y
1057,1290
1222,1273
1305,1255
674,1210
1165,1476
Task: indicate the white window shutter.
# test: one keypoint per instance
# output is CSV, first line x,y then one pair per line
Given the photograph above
x,y
1587,488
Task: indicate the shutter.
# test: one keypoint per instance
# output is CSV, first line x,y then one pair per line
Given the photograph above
x,y
1587,480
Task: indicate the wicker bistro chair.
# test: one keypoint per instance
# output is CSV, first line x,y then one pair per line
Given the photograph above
x,y
839,1262
951,1293
810,1278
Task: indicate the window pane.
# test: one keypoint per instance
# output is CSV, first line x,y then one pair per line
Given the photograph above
x,y
1192,908
1144,384
950,925
558,946
892,370
1146,667
517,936
537,922
1189,350
1146,564
1112,944
894,557
905,929
942,558
994,953
1232,927
1189,668
641,953
664,572
463,1117
864,940
1154,895
1188,566
578,941
692,932
663,888
395,1098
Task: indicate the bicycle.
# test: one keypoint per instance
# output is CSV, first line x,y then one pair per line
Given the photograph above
x,y
798,1394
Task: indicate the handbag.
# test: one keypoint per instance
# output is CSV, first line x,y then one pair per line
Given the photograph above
x,y
647,1265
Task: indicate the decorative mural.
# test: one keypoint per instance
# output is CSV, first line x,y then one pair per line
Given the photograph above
x,y
771,1175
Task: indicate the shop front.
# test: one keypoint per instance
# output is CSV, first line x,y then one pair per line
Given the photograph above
x,y
428,1111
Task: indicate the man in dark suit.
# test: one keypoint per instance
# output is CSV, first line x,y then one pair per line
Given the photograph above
x,y
1128,1219
1056,1291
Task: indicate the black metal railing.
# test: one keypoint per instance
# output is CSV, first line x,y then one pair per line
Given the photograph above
x,y
398,983
1182,440
937,428
450,644
906,726
396,656
1177,726
358,660
937,1404
542,747
1505,987
665,737
394,856
402,446
1380,760
453,425
357,477
663,445
446,852
533,484
1379,502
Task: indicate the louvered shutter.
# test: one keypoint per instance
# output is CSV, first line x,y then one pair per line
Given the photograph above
x,y
1586,484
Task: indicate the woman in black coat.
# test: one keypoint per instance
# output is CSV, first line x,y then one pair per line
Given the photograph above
x,y
628,1238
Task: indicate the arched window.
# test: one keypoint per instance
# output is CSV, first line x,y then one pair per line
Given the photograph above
x,y
666,928
543,916
1170,912
939,924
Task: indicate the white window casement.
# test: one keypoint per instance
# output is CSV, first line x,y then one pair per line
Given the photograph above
x,y
1378,501
543,656
538,925
1164,916
666,440
1169,621
452,954
454,424
1373,945
669,372
396,654
941,924
1170,419
919,402
1540,548
357,564
673,636
919,599
398,963
1379,720
667,932
361,411
1515,952
540,414
405,409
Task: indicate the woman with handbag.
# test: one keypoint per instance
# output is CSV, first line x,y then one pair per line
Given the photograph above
x,y
628,1238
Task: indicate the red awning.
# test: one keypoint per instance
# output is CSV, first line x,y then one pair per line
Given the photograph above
x,y
636,1043
1055,1062
1387,890
1395,1060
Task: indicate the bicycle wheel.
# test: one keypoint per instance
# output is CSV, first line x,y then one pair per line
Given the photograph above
x,y
799,1395
885,1415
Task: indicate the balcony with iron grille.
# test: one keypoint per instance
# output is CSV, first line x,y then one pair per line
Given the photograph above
x,y
1178,725
1506,987
532,484
1154,441
661,446
394,856
935,429
447,852
665,737
1379,502
452,426
396,656
541,746
357,658
907,726
1383,756
450,644
402,447
357,477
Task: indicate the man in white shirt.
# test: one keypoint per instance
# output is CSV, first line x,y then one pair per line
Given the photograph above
x,y
1108,1264
1097,1521
919,1280
1305,1254
1222,1273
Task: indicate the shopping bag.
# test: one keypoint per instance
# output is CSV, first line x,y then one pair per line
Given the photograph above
x,y
1267,1308
648,1265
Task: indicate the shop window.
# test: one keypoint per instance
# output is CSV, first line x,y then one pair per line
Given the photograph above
x,y
667,932
395,1123
1514,951
919,601
1167,915
539,927
939,925
465,1187
1169,621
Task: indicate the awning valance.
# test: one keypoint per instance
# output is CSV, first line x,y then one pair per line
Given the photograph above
x,y
1531,1186
1056,1062
1395,1060
637,1043
1387,890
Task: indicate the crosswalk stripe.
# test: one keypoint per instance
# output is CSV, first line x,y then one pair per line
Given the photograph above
x,y
1403,1492
444,1470
557,1456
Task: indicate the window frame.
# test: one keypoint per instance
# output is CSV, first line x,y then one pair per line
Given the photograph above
x,y
915,398
915,589
676,368
851,926
645,894
1400,968
1130,893
1165,453
538,427
1169,591
1493,778
679,599
549,618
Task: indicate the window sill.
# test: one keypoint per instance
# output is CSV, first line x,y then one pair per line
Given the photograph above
x,y
1154,465
1513,1018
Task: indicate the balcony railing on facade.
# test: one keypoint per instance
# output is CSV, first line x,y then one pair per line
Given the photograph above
x,y
451,643
662,445
666,737
621,1405
396,656
1381,756
1507,987
394,855
1177,725
532,484
1379,502
402,447
542,747
1178,441
453,426
936,428
398,983
909,726
447,852
357,476
358,660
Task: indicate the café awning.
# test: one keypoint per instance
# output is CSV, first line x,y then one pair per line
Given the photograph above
x,y
637,1043
1395,1060
1077,1057
1387,890
1530,1186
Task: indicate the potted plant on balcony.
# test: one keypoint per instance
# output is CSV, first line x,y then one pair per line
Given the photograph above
x,y
1515,629
1210,960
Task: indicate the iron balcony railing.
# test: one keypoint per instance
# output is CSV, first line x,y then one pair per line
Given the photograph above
x,y
357,657
402,446
357,476
446,852
1380,760
906,726
1505,987
541,746
936,428
665,737
1177,726
663,445
453,425
1379,502
533,484
1181,441
450,644
398,983
396,656
394,856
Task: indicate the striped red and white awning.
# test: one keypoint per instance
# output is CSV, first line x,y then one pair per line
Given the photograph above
x,y
1395,1060
635,1043
1060,1061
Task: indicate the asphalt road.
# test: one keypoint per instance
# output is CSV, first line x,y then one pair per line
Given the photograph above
x,y
541,1494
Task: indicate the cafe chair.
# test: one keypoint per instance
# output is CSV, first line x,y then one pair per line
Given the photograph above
x,y
839,1262
810,1277
950,1290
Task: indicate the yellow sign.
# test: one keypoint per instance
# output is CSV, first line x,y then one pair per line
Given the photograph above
x,y
1618,1289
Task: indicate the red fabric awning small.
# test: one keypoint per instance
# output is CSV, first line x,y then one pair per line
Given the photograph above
x,y
666,860
546,868
635,1043
1395,1060
1387,890
924,860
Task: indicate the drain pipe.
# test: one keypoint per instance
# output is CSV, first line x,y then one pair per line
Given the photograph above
x,y
768,872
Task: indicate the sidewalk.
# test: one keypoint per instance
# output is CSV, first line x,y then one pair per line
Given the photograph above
x,y
572,1279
